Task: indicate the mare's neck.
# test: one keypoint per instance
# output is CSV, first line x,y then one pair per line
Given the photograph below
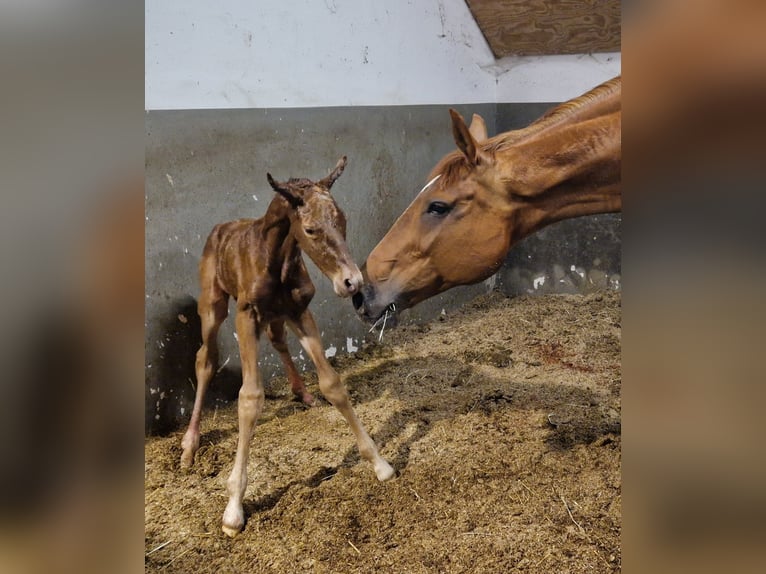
x,y
564,173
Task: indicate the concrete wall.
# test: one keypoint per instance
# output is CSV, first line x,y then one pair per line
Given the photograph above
x,y
235,89
208,166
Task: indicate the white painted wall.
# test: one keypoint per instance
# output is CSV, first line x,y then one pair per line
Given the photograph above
x,y
307,53
552,78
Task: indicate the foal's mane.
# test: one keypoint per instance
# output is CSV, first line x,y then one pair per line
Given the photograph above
x,y
454,165
301,182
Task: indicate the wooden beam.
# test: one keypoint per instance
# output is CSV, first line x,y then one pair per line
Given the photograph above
x,y
535,27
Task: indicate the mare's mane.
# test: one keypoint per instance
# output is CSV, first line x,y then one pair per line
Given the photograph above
x,y
454,166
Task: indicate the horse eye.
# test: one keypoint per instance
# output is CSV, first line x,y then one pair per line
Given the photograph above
x,y
438,208
309,231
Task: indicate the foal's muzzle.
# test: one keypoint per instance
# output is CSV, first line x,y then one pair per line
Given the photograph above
x,y
348,282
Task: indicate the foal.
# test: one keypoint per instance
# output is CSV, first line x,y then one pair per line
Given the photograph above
x,y
259,263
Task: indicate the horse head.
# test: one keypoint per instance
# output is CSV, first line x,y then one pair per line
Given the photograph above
x,y
319,227
454,232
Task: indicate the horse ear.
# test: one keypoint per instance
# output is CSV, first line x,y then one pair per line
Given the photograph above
x,y
330,179
478,128
465,141
285,191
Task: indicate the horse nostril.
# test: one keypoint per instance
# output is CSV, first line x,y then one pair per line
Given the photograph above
x,y
351,286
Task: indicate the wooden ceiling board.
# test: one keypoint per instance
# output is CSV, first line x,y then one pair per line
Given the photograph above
x,y
537,27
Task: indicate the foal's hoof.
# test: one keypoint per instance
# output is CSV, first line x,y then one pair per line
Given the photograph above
x,y
189,446
187,459
230,531
306,398
384,471
233,520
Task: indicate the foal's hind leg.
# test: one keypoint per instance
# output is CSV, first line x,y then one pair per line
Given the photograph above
x,y
276,333
334,391
213,307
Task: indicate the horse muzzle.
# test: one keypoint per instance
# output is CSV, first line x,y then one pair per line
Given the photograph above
x,y
370,306
348,282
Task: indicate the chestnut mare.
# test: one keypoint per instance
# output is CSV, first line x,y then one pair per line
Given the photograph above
x,y
259,263
485,197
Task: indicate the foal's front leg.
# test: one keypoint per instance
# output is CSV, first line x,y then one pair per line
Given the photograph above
x,y
250,406
332,388
276,333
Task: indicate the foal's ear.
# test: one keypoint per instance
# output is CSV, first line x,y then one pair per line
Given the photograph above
x,y
465,140
330,179
285,191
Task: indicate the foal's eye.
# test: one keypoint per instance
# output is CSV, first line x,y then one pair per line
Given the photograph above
x,y
438,208
309,230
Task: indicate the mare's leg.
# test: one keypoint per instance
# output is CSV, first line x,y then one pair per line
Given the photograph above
x,y
332,388
276,333
249,409
213,307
